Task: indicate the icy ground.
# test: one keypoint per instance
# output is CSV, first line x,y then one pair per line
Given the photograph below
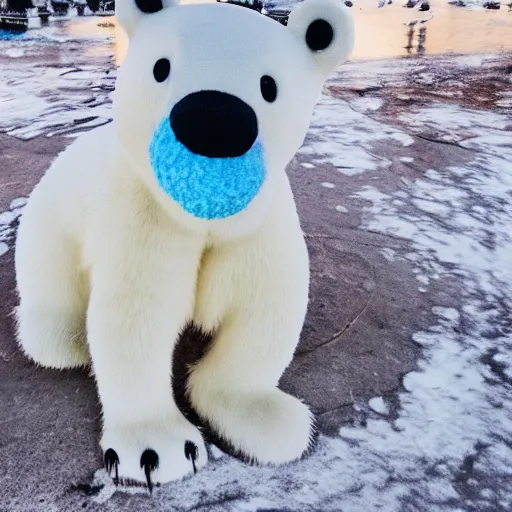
x,y
63,93
446,443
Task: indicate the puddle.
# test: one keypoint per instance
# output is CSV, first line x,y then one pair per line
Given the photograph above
x,y
384,32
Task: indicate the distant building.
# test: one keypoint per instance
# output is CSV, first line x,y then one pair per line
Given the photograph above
x,y
16,6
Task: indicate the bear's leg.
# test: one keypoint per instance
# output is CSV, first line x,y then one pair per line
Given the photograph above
x,y
258,291
53,294
142,295
234,388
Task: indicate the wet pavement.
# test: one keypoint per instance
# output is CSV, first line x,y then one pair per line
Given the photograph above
x,y
404,188
394,30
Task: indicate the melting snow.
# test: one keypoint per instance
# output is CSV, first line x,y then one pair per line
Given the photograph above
x,y
462,230
452,123
18,203
8,223
55,99
378,405
14,53
388,253
343,137
366,104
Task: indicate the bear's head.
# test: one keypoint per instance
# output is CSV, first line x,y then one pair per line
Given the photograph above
x,y
213,100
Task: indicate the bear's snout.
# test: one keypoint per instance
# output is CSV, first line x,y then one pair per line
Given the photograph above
x,y
214,124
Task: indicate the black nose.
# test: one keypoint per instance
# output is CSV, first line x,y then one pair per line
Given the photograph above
x,y
214,124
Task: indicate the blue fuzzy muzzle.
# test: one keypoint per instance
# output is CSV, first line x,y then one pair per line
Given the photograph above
x,y
207,188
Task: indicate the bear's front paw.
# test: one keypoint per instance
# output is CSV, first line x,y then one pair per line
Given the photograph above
x,y
150,453
279,428
268,427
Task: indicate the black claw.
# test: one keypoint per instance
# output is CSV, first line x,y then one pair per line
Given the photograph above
x,y
112,462
191,452
149,462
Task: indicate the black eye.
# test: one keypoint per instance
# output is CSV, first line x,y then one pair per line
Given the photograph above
x,y
268,88
319,35
161,70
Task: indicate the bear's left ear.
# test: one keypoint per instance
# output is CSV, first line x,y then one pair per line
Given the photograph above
x,y
130,12
327,30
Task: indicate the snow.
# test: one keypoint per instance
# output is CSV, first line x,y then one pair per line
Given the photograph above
x,y
60,97
388,253
14,53
504,103
326,184
452,123
7,223
343,138
52,100
341,209
378,405
18,203
432,207
450,387
6,217
422,279
366,104
450,314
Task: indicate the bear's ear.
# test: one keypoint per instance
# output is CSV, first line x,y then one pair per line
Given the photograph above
x,y
130,12
327,30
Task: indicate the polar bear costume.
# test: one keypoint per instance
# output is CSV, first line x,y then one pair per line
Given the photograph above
x,y
180,212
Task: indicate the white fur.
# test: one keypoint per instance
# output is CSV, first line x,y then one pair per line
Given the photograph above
x,y
101,249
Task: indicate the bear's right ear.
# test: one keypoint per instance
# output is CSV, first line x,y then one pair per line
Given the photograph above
x,y
326,29
130,12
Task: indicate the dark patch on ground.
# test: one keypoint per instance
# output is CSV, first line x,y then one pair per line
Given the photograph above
x,y
444,80
497,367
87,489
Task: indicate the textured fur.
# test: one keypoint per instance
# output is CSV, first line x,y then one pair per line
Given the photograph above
x,y
103,250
